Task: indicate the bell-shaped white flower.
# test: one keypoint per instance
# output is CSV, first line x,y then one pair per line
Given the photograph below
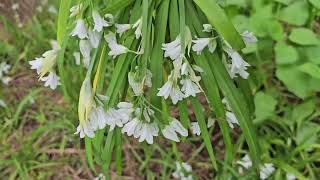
x,y
146,132
189,88
113,119
130,127
138,27
52,80
94,38
249,38
125,110
266,171
36,64
173,49
75,10
122,28
97,118
195,128
80,30
85,130
231,119
245,162
170,131
183,171
115,48
207,28
171,88
238,65
291,176
85,49
99,22
201,43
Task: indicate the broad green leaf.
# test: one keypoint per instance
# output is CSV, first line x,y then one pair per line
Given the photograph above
x,y
285,54
312,54
275,30
265,106
298,82
296,13
315,3
311,69
221,23
259,21
308,134
303,36
302,111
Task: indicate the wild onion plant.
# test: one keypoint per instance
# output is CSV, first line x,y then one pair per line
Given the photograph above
x,y
142,58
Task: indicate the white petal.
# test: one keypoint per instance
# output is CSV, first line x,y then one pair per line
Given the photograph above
x,y
195,128
80,30
99,22
94,38
52,80
169,133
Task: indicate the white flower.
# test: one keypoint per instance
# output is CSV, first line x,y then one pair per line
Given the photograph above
x,y
248,37
170,131
195,128
122,28
291,176
76,56
124,111
94,38
97,118
201,43
100,177
130,127
75,10
189,88
4,69
173,49
138,26
266,170
170,88
113,119
99,22
231,119
245,162
115,48
2,103
207,28
238,65
146,132
52,9
85,48
183,171
85,130
80,30
52,80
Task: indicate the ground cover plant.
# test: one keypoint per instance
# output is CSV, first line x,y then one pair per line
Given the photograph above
x,y
168,89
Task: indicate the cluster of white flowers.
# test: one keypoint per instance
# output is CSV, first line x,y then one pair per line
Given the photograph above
x,y
45,66
183,171
266,170
89,37
4,70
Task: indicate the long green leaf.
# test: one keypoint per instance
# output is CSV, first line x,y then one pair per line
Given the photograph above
x,y
63,19
204,131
